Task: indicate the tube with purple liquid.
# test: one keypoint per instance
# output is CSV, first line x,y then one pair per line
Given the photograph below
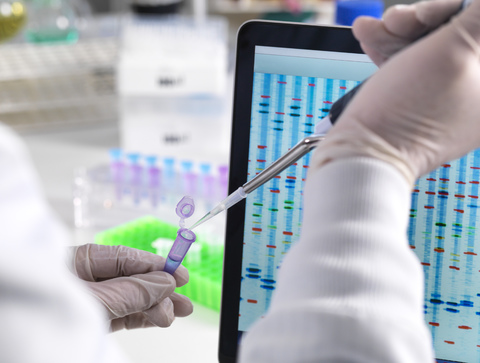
x,y
185,237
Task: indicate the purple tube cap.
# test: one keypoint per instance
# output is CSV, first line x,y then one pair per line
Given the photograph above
x,y
185,207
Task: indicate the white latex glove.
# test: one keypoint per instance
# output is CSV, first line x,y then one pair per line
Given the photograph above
x,y
132,286
421,109
400,26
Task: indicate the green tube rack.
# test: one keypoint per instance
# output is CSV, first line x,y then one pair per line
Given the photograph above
x,y
203,261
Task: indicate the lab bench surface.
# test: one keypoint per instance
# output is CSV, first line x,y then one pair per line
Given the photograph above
x,y
55,154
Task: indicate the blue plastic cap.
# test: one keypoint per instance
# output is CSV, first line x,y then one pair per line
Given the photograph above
x,y
205,168
187,165
133,157
151,160
348,10
169,162
116,154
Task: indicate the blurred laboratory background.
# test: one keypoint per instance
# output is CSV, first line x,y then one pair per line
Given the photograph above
x,y
125,107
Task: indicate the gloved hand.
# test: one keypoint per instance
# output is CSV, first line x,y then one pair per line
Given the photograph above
x,y
131,285
421,109
400,26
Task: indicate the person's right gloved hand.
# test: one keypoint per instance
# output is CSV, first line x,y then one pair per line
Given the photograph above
x,y
400,26
421,108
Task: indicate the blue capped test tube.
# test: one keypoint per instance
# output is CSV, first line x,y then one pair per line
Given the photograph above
x,y
117,170
153,179
153,171
189,178
208,181
169,174
136,171
185,237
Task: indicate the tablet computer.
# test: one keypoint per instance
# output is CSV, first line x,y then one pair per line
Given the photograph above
x,y
287,77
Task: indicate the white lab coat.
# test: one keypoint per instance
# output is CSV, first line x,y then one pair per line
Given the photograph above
x,y
351,290
46,314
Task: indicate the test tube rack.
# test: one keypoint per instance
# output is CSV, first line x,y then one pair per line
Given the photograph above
x,y
63,85
203,261
134,185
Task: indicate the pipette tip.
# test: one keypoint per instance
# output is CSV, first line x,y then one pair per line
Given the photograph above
x,y
205,218
232,199
219,208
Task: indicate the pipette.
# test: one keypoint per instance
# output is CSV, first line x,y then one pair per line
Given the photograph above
x,y
295,153
291,156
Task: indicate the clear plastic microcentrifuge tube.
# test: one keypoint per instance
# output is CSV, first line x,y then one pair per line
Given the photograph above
x,y
185,237
182,243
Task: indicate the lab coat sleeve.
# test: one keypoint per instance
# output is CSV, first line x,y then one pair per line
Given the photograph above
x,y
350,290
46,314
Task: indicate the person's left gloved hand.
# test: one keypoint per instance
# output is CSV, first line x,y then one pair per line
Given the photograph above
x,y
132,286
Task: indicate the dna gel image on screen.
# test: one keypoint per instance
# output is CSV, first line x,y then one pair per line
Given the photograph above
x,y
285,109
442,230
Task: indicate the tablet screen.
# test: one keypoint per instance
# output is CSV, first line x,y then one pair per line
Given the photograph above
x,y
293,89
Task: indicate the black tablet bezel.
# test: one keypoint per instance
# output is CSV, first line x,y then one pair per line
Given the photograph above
x,y
251,34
